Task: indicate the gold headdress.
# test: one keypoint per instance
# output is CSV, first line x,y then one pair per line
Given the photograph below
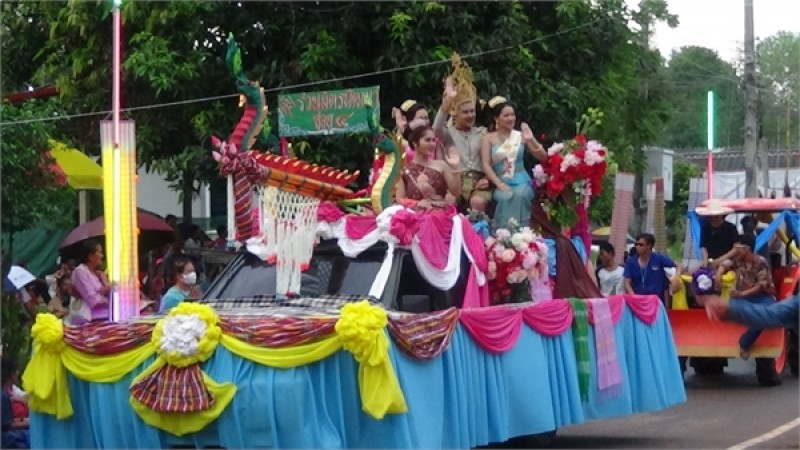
x,y
407,105
496,100
463,81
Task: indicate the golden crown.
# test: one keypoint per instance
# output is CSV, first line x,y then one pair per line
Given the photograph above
x,y
496,100
463,81
407,105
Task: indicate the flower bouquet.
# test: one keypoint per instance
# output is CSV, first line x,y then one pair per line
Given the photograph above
x,y
516,257
573,171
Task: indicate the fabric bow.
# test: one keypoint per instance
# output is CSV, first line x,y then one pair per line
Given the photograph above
x,y
404,226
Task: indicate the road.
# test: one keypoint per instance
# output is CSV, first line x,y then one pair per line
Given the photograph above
x,y
721,411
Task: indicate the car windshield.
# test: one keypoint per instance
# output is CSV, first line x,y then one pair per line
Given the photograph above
x,y
330,273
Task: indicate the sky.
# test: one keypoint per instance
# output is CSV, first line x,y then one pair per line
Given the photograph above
x,y
719,24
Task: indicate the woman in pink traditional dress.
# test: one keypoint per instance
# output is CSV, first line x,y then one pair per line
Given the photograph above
x,y
426,181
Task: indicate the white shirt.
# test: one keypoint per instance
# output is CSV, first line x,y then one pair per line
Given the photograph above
x,y
611,281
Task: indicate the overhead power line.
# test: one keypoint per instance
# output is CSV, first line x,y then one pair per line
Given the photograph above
x,y
308,84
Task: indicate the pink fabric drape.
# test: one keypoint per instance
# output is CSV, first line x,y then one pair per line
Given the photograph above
x,y
614,304
434,232
475,295
474,243
645,307
609,376
328,212
404,226
494,329
550,318
356,227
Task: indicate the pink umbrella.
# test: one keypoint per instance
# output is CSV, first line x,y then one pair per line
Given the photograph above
x,y
154,231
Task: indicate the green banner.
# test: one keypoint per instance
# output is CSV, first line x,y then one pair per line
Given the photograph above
x,y
326,112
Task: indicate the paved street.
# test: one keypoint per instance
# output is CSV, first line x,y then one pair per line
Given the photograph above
x,y
722,411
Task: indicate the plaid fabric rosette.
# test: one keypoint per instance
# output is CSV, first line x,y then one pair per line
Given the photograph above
x,y
175,383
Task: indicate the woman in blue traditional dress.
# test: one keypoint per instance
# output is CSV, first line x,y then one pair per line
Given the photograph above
x,y
502,156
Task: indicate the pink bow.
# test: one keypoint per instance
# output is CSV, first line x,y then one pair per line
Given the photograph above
x,y
404,226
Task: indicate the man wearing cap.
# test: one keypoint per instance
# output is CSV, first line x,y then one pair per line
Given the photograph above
x,y
718,235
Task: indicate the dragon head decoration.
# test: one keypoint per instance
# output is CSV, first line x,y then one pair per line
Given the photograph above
x,y
383,190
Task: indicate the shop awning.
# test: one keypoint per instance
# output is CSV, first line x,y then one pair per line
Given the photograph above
x,y
80,171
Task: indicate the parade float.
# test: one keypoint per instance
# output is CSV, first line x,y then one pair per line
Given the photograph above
x,y
334,329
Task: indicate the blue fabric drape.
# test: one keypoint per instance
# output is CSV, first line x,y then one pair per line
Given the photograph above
x,y
462,399
696,227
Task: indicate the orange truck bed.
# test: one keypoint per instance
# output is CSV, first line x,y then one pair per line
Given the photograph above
x,y
696,335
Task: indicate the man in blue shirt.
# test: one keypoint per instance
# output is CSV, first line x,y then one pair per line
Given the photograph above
x,y
644,272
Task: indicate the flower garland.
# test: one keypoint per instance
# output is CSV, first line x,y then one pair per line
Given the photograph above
x,y
573,171
516,257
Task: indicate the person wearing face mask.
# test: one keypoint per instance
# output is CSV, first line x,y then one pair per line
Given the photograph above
x,y
185,279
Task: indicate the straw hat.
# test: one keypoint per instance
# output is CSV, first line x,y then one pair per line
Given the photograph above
x,y
713,207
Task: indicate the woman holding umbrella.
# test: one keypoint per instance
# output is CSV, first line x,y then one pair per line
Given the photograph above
x,y
90,284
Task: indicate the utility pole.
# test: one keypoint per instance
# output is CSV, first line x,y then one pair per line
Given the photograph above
x,y
751,106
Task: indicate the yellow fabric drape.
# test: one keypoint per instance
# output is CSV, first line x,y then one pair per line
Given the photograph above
x,y
283,357
45,380
361,331
105,368
180,424
380,390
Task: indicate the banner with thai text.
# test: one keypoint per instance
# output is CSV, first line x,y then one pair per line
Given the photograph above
x,y
326,112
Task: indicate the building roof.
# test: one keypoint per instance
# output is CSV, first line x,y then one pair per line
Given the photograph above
x,y
732,159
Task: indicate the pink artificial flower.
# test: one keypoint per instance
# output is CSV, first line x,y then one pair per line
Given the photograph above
x,y
508,255
530,260
490,242
492,270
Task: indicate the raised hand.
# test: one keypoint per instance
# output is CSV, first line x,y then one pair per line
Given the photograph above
x,y
527,134
450,91
399,119
453,159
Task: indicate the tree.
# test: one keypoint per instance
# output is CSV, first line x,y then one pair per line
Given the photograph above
x,y
778,67
554,60
31,191
691,73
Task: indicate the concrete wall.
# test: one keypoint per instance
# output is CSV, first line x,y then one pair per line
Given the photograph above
x,y
154,194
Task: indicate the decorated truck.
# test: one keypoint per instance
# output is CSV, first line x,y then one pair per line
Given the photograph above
x,y
335,329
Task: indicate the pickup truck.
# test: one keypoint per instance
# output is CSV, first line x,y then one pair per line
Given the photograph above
x,y
500,377
333,274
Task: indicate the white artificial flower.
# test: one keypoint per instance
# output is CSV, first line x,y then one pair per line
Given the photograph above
x,y
704,282
518,241
555,148
502,233
569,161
592,157
594,146
182,334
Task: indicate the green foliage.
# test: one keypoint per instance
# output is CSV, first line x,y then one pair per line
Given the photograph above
x,y
553,59
692,72
30,190
778,66
675,212
15,333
